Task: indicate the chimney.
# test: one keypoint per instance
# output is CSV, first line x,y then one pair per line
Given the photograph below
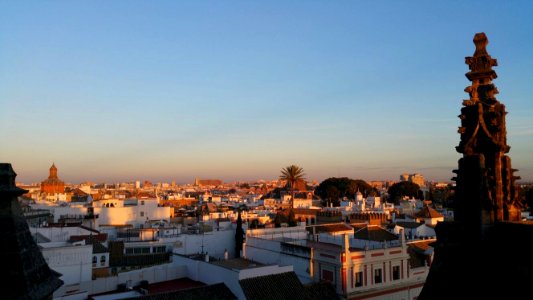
x,y
402,237
346,243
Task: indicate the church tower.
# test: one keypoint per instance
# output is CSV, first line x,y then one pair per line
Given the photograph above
x,y
53,171
53,185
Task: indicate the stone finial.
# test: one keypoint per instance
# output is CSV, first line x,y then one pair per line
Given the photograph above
x,y
7,175
7,180
25,273
481,42
481,63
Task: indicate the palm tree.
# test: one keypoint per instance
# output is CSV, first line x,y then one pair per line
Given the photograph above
x,y
292,174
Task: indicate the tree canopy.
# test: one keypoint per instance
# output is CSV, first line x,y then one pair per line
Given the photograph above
x,y
333,189
292,174
404,188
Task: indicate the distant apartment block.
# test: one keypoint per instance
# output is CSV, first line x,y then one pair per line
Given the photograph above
x,y
207,182
414,178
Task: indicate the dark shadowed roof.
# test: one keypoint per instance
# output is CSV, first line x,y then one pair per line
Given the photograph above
x,y
101,237
374,233
421,246
408,224
321,290
173,285
271,287
331,228
79,192
97,246
428,213
237,263
217,291
39,238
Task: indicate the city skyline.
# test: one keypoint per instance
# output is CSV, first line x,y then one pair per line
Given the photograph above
x,y
128,91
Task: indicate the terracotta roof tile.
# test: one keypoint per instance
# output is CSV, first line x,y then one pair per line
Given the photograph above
x,y
331,228
374,233
421,246
428,212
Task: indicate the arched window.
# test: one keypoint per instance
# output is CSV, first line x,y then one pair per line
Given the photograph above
x,y
102,260
95,260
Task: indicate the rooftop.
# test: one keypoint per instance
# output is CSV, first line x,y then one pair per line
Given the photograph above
x,y
421,246
237,263
173,285
277,286
217,291
428,213
374,233
331,228
408,224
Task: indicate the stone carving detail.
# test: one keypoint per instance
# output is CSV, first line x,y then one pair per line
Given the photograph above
x,y
484,235
25,273
484,166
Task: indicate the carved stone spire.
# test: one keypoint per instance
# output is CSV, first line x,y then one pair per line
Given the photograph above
x,y
484,236
485,181
25,274
481,63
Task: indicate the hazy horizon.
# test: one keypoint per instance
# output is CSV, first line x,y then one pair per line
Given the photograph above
x,y
134,90
186,179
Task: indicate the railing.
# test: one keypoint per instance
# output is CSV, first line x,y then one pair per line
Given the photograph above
x,y
76,217
32,213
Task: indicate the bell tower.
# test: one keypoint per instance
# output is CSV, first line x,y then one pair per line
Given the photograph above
x,y
53,172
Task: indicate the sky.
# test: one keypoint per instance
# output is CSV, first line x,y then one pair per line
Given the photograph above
x,y
173,90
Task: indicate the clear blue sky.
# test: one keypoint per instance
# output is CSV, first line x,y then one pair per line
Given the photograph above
x,y
172,90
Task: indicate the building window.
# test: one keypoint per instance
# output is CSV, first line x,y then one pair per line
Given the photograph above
x,y
161,249
142,202
102,260
395,272
142,213
95,260
140,250
327,275
358,279
377,276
